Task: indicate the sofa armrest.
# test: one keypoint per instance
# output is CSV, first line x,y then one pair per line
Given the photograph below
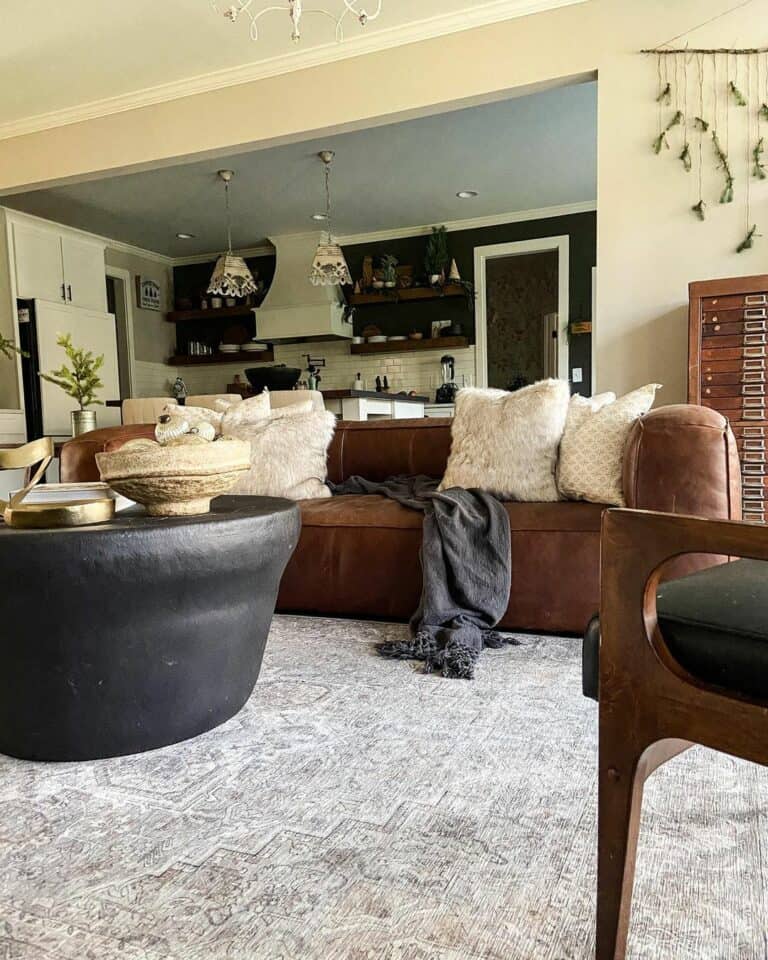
x,y
78,456
683,459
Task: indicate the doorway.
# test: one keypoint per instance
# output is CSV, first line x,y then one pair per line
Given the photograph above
x,y
522,312
119,305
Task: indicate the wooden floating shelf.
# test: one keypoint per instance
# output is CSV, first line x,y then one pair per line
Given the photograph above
x,y
253,356
405,295
219,313
399,346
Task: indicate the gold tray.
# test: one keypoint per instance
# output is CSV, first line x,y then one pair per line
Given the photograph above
x,y
75,513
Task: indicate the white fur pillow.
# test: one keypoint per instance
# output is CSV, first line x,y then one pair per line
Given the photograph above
x,y
592,448
288,454
247,411
507,443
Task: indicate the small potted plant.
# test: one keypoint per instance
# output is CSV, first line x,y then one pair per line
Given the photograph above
x,y
436,258
389,268
80,382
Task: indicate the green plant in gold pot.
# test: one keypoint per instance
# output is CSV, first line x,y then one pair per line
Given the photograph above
x,y
437,258
81,382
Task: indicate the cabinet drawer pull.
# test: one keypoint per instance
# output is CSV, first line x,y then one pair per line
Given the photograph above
x,y
753,364
753,326
754,444
753,389
753,376
717,325
756,414
752,493
754,401
754,298
756,313
753,352
754,339
753,432
754,456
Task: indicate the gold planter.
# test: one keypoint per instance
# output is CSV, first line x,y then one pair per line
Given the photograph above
x,y
82,421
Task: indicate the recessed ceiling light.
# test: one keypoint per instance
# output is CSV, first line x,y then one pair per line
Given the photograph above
x,y
319,216
185,236
466,194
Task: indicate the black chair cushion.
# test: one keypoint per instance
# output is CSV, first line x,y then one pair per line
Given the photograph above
x,y
715,623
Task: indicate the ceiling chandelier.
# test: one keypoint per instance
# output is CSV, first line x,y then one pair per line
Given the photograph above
x,y
329,267
231,276
255,10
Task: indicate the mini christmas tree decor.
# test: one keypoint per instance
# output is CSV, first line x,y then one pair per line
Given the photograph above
x,y
763,112
81,381
723,164
701,125
700,209
685,158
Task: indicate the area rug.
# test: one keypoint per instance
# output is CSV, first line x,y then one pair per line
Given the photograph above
x,y
360,810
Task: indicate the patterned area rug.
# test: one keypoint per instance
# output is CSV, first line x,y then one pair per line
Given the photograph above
x,y
359,810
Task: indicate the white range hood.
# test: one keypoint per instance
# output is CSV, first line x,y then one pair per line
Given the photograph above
x,y
295,309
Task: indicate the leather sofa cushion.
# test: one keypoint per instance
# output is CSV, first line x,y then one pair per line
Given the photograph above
x,y
715,626
378,511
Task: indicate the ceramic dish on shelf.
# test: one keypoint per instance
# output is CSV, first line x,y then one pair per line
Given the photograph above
x,y
252,347
379,339
393,339
229,348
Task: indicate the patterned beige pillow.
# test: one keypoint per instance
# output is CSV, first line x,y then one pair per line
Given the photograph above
x,y
506,443
592,448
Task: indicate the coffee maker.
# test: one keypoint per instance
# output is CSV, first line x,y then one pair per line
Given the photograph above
x,y
446,392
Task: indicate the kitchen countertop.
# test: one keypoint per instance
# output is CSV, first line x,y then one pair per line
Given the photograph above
x,y
371,394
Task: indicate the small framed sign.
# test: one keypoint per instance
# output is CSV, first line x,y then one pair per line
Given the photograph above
x,y
147,294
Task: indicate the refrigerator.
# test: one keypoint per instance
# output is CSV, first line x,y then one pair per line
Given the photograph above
x,y
47,406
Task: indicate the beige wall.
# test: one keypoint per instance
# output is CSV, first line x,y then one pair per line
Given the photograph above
x,y
153,338
648,245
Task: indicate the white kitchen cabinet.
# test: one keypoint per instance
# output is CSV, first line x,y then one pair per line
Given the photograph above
x,y
39,270
84,272
58,266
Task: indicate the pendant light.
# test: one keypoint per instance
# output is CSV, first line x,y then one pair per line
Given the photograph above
x,y
231,276
329,267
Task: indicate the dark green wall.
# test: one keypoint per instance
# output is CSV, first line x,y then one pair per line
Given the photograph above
x,y
401,318
393,319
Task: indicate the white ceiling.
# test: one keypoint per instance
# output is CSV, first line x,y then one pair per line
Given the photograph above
x,y
64,60
519,154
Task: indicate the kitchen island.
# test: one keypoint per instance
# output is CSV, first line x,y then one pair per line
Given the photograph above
x,y
370,405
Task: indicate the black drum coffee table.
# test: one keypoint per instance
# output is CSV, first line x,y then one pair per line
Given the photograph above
x,y
137,633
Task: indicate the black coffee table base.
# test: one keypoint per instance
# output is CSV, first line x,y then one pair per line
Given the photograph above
x,y
139,633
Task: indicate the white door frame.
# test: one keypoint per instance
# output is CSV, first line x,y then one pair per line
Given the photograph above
x,y
118,273
513,249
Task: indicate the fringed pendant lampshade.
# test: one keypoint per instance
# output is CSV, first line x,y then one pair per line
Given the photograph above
x,y
231,276
329,268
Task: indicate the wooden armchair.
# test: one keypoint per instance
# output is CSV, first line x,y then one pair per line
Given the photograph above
x,y
704,681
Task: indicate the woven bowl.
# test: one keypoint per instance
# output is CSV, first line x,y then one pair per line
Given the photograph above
x,y
177,479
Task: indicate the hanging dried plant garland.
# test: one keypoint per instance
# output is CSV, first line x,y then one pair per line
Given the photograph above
x,y
739,93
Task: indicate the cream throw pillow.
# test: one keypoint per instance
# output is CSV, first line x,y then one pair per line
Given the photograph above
x,y
592,448
507,443
289,451
195,415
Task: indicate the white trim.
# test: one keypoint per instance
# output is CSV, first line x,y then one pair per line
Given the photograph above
x,y
480,15
516,248
593,378
422,230
119,273
20,216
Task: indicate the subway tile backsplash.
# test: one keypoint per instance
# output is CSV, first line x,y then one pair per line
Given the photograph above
x,y
417,370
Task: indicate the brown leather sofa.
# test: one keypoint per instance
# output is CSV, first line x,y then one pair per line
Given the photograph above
x,y
359,555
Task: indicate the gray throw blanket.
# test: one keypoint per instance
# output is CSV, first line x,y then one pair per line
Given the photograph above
x,y
465,559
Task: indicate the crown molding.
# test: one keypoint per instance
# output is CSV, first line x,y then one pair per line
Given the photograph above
x,y
12,215
422,230
480,15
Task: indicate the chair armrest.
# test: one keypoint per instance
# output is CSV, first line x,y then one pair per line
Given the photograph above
x,y
636,666
683,459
